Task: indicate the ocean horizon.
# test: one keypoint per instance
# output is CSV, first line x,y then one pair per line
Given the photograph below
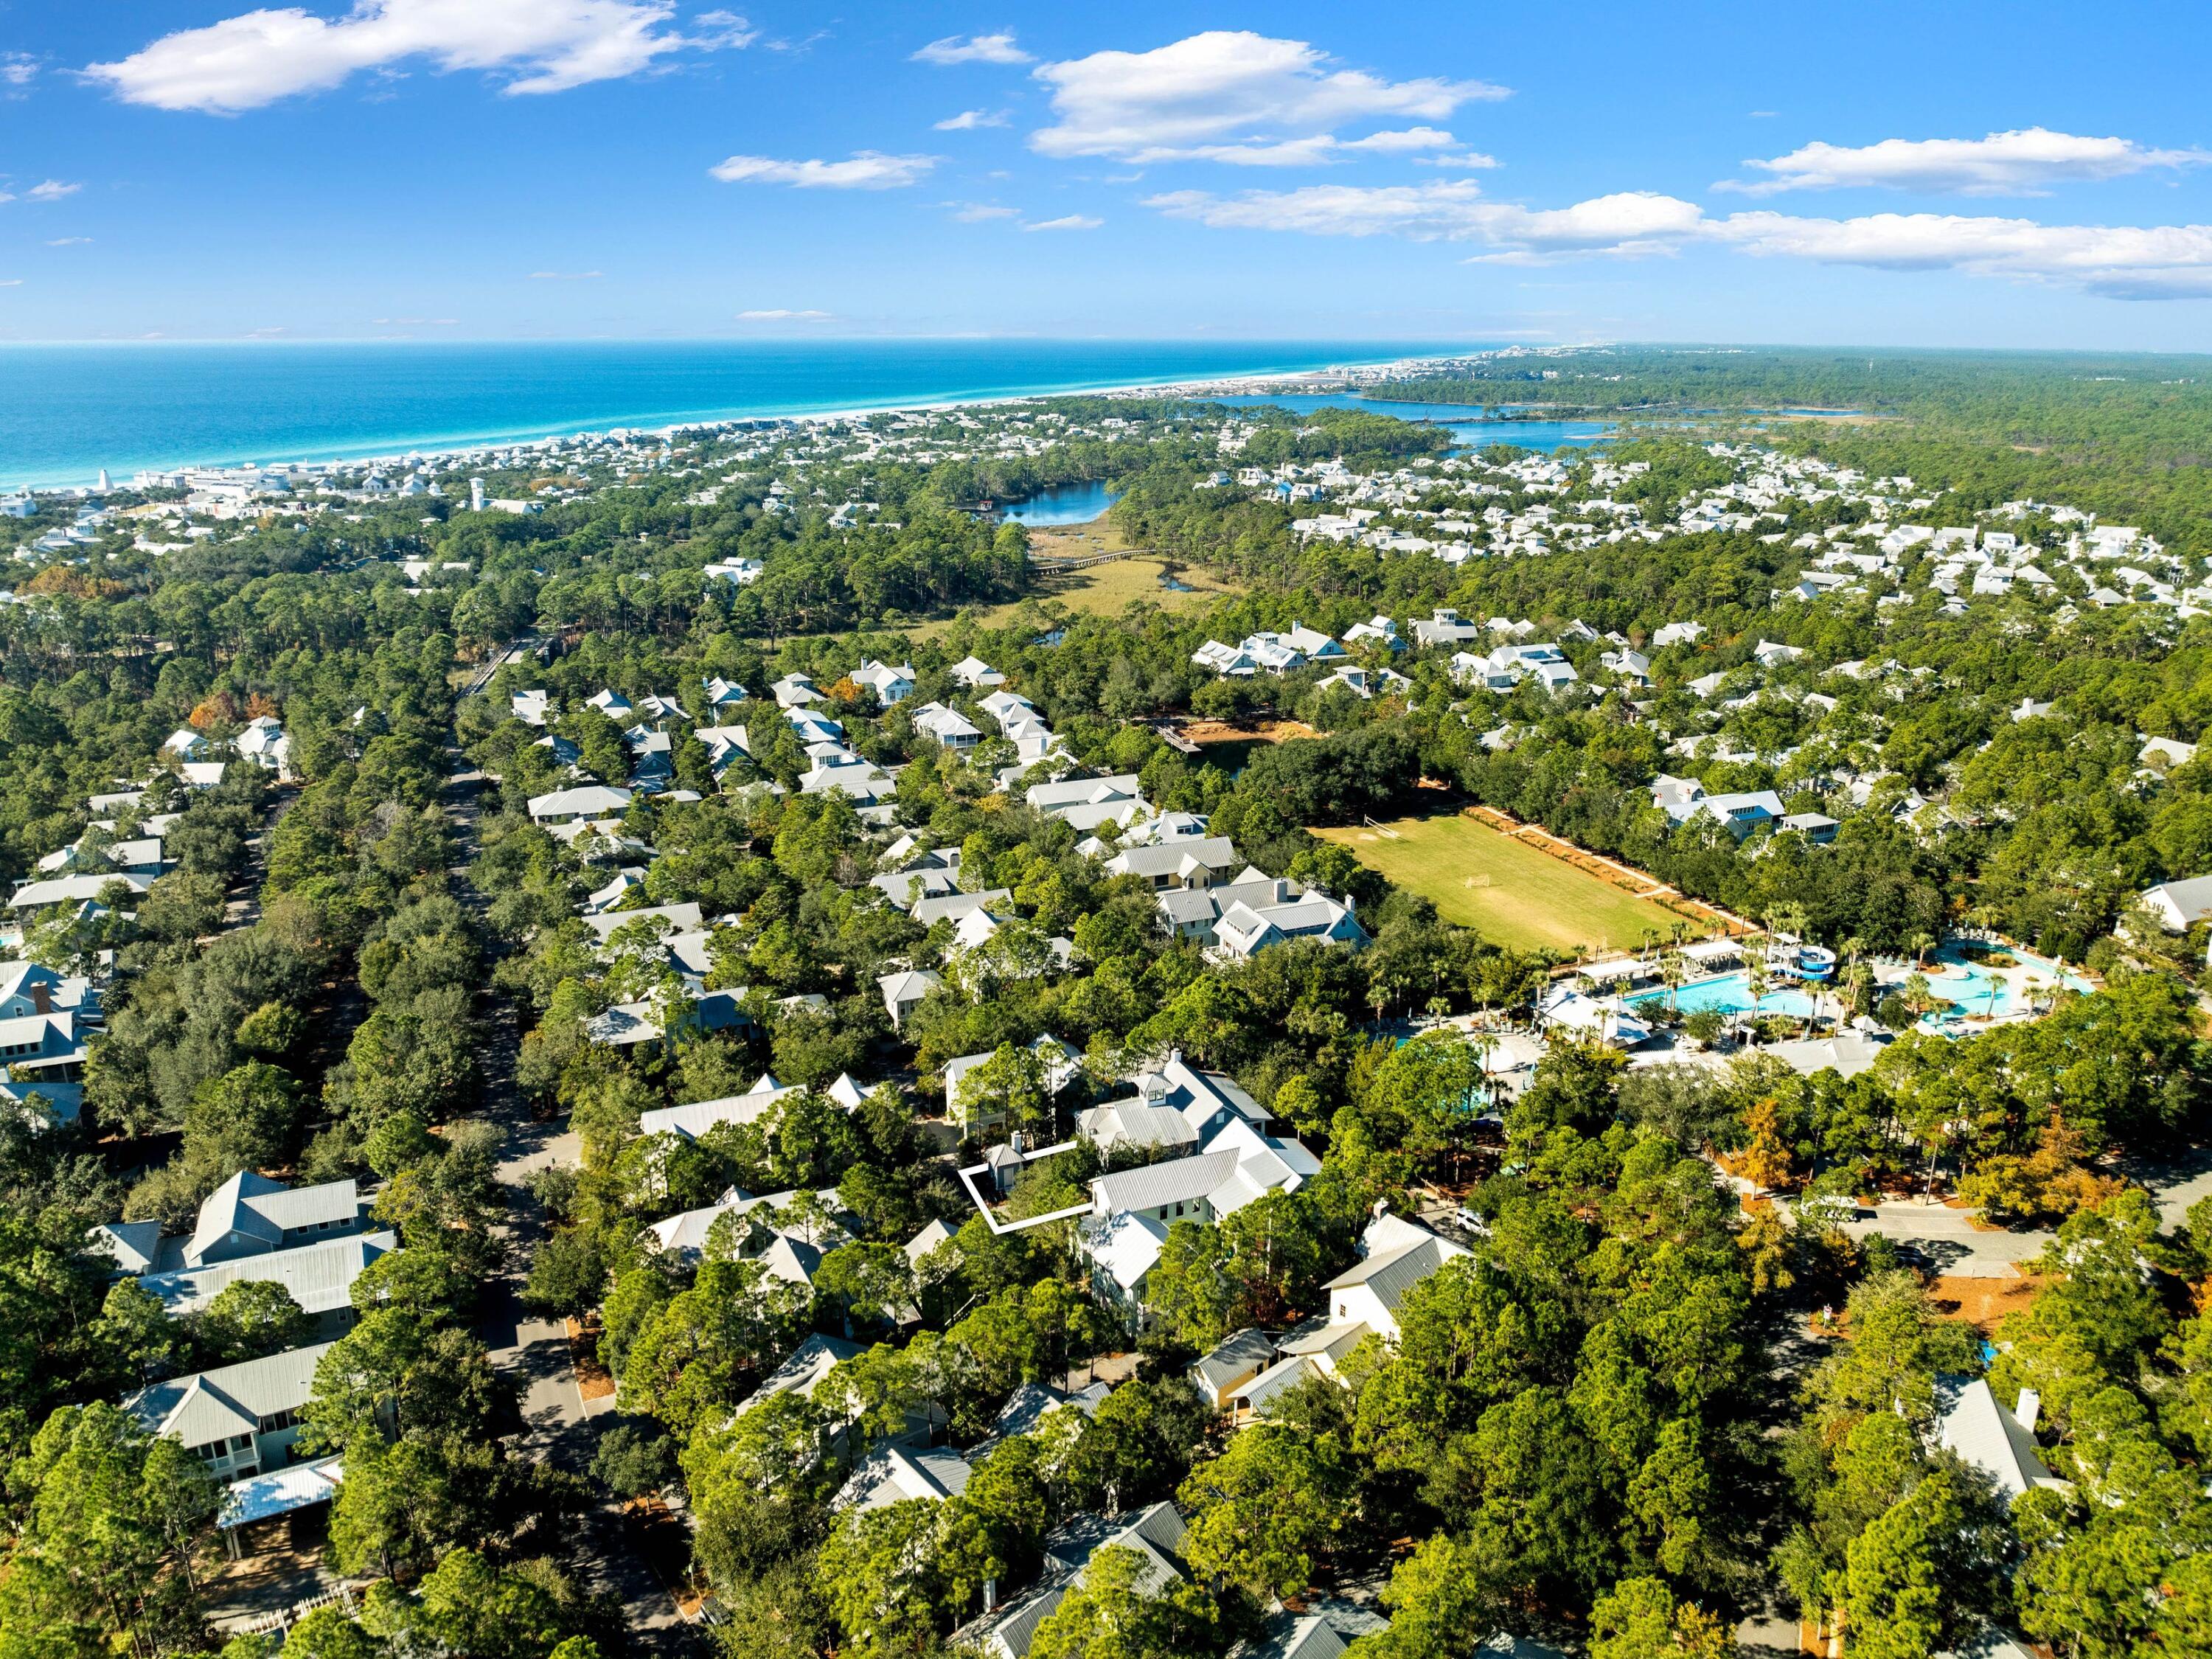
x,y
73,409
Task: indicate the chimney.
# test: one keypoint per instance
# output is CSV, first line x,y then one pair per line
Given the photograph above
x,y
41,999
2029,1408
990,1595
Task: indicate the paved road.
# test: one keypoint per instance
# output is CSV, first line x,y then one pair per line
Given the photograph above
x,y
241,906
560,1429
1956,1246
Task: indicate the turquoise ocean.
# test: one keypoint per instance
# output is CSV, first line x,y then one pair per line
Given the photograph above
x,y
66,412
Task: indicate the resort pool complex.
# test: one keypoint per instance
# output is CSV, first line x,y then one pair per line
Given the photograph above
x,y
1981,993
1729,994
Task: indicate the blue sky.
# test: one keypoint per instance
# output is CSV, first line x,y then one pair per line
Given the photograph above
x,y
1874,174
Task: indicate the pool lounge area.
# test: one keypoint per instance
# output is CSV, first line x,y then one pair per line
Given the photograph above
x,y
1979,994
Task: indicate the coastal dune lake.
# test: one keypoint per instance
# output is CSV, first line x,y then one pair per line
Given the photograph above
x,y
1075,503
70,411
1471,426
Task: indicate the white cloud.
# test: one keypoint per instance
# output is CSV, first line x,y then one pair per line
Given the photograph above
x,y
973,49
67,241
1322,148
868,169
1405,139
968,119
780,314
2019,163
1626,224
721,31
976,213
52,190
1229,97
12,282
2125,262
564,275
17,68
1068,222
260,57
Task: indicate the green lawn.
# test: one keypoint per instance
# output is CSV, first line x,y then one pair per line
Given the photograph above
x,y
1523,898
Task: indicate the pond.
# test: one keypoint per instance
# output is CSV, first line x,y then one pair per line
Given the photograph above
x,y
1075,503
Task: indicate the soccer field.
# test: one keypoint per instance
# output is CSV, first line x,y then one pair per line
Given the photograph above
x,y
1483,878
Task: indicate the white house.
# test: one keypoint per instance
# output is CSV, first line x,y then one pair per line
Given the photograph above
x,y
237,1419
248,1215
2179,905
892,684
1062,1066
977,674
596,801
1196,862
904,992
950,727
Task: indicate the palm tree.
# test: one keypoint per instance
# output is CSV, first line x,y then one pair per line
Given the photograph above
x,y
1755,986
1673,973
1918,997
1862,985
1921,944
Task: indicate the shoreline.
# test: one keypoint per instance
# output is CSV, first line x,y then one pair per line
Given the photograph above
x,y
449,445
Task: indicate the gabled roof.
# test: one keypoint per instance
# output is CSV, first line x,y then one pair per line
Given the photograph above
x,y
909,984
319,1277
1389,1275
1125,1244
1177,1180
1026,1407
804,1367
694,1119
214,1404
892,1474
1156,1534
1135,1121
1185,856
1992,1439
1238,1356
933,1235
684,918
951,906
264,1210
133,1246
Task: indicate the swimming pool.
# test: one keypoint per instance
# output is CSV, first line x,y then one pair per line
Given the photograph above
x,y
1729,994
1978,992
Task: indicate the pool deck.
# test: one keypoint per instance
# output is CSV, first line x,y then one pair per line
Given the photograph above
x,y
2022,984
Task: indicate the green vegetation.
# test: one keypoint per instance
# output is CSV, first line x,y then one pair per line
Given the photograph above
x,y
2123,435
1608,1415
1480,878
